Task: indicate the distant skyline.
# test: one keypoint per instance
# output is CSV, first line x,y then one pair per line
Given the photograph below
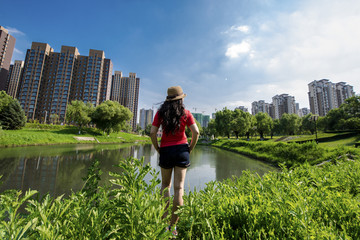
x,y
223,53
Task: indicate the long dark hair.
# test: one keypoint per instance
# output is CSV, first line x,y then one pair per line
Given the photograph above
x,y
171,112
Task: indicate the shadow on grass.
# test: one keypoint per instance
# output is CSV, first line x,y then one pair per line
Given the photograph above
x,y
74,131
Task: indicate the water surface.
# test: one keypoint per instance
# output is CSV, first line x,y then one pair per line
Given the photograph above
x,y
59,169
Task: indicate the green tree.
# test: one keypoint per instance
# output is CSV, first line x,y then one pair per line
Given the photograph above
x,y
79,113
147,129
276,127
240,122
211,128
307,124
333,119
12,116
290,123
351,107
111,116
263,124
4,99
222,120
252,128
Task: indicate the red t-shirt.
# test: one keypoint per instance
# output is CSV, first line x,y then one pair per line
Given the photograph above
x,y
179,137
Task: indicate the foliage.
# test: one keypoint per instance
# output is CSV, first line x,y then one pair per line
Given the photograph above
x,y
290,154
79,113
263,123
240,123
307,124
308,202
223,120
111,116
290,123
132,209
148,129
4,99
211,129
12,116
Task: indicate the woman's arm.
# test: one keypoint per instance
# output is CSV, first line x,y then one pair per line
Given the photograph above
x,y
153,136
194,136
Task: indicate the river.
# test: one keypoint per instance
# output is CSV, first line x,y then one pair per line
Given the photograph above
x,y
59,169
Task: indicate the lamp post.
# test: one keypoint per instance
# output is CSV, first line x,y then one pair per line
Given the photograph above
x,y
315,118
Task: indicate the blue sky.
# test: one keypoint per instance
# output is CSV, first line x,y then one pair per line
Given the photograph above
x,y
224,53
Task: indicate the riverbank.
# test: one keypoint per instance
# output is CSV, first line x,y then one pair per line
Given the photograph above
x,y
288,154
40,134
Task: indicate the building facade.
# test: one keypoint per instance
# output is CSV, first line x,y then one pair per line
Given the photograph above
x,y
283,104
7,45
325,95
146,117
260,106
14,76
242,108
51,80
125,90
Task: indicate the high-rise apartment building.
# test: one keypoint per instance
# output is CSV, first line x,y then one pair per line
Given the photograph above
x,y
260,106
242,108
7,45
125,90
325,95
146,117
283,104
15,73
51,80
31,80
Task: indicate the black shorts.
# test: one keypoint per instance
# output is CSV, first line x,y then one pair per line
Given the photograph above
x,y
177,155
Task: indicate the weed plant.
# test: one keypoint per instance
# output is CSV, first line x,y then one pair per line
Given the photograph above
x,y
307,202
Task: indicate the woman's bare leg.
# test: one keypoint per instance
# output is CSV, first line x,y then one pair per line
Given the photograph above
x,y
166,184
179,181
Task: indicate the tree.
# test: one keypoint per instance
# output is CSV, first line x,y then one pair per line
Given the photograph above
x,y
12,116
351,107
148,129
263,124
276,127
289,123
252,128
240,122
307,124
211,128
332,119
222,120
111,116
79,113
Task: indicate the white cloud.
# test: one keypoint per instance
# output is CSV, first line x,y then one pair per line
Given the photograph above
x,y
243,28
17,51
14,31
318,40
236,50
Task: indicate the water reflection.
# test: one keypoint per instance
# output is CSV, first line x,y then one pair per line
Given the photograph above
x,y
60,169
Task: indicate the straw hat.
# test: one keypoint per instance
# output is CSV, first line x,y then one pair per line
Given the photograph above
x,y
175,93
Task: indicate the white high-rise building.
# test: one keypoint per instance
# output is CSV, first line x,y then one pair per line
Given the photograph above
x,y
325,95
283,103
14,78
260,106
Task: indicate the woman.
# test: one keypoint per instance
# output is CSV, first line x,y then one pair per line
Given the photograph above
x,y
174,149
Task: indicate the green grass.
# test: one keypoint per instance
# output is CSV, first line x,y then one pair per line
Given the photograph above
x,y
39,134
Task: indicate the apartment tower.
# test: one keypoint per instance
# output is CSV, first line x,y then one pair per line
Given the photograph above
x,y
51,80
146,117
325,95
7,45
15,74
125,90
283,104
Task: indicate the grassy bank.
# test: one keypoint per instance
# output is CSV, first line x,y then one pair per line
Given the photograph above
x,y
40,134
290,154
308,202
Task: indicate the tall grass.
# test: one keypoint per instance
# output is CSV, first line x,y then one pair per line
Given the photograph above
x,y
290,154
307,202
